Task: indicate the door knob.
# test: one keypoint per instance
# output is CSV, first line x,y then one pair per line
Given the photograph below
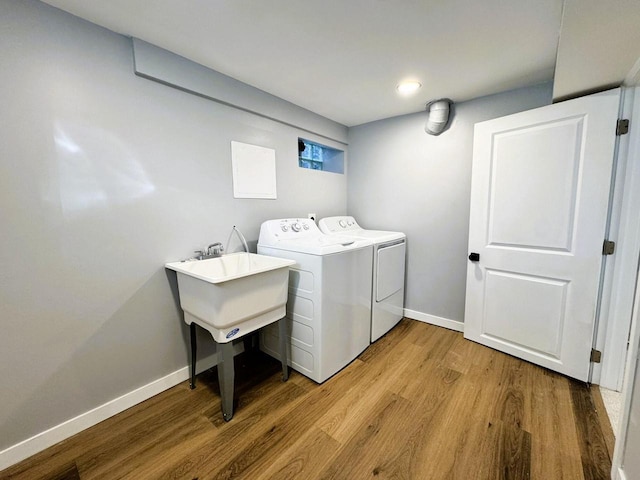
x,y
474,257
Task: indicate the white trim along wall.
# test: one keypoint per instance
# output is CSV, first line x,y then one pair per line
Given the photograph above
x,y
625,462
456,325
20,451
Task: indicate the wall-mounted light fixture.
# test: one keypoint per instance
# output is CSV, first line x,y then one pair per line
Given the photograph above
x,y
438,116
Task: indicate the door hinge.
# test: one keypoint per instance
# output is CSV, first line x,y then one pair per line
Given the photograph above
x,y
622,126
596,356
608,247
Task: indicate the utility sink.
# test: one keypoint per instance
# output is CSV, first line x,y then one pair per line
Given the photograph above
x,y
234,294
231,296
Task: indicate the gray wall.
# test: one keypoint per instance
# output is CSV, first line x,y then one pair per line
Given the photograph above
x,y
402,179
104,177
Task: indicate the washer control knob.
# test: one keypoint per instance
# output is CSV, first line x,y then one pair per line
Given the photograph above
x,y
295,227
349,222
285,228
305,226
342,223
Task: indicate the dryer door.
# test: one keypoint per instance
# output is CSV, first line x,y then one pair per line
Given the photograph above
x,y
390,274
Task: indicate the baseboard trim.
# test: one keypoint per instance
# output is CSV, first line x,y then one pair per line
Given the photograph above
x,y
20,451
456,325
46,439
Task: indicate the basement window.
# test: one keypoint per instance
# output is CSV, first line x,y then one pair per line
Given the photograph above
x,y
315,156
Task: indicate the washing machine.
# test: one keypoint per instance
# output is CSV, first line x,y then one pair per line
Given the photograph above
x,y
388,260
329,302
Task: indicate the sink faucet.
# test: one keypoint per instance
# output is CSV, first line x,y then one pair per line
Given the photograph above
x,y
240,236
214,250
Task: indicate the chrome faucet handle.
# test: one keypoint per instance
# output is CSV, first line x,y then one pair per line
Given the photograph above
x,y
199,254
215,249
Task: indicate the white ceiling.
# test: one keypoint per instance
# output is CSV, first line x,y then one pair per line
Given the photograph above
x,y
343,58
599,46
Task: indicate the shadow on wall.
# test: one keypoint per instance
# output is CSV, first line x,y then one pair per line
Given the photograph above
x,y
206,345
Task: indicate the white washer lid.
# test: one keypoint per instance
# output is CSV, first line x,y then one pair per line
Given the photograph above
x,y
319,245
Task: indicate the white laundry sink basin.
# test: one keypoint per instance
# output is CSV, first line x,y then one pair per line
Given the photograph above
x,y
234,294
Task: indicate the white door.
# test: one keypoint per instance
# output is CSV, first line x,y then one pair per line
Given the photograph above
x,y
539,199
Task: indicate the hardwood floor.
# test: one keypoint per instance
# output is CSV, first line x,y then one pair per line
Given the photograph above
x,y
420,403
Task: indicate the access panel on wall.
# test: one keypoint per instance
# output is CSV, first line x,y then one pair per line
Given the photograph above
x,y
539,201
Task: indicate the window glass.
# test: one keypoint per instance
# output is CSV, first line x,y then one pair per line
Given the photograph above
x,y
319,157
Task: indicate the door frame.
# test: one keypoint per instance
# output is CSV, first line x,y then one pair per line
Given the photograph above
x,y
620,269
631,377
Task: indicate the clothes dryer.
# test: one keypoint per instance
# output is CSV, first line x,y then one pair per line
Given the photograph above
x,y
329,302
388,267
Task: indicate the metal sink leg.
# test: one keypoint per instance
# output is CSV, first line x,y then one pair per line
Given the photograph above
x,y
282,332
226,368
194,346
226,374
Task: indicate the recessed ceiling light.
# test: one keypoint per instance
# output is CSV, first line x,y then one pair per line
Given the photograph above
x,y
407,88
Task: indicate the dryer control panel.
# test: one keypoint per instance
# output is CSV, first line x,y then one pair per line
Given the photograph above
x,y
339,224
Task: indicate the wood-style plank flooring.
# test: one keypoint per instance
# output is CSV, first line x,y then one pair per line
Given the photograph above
x,y
420,403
